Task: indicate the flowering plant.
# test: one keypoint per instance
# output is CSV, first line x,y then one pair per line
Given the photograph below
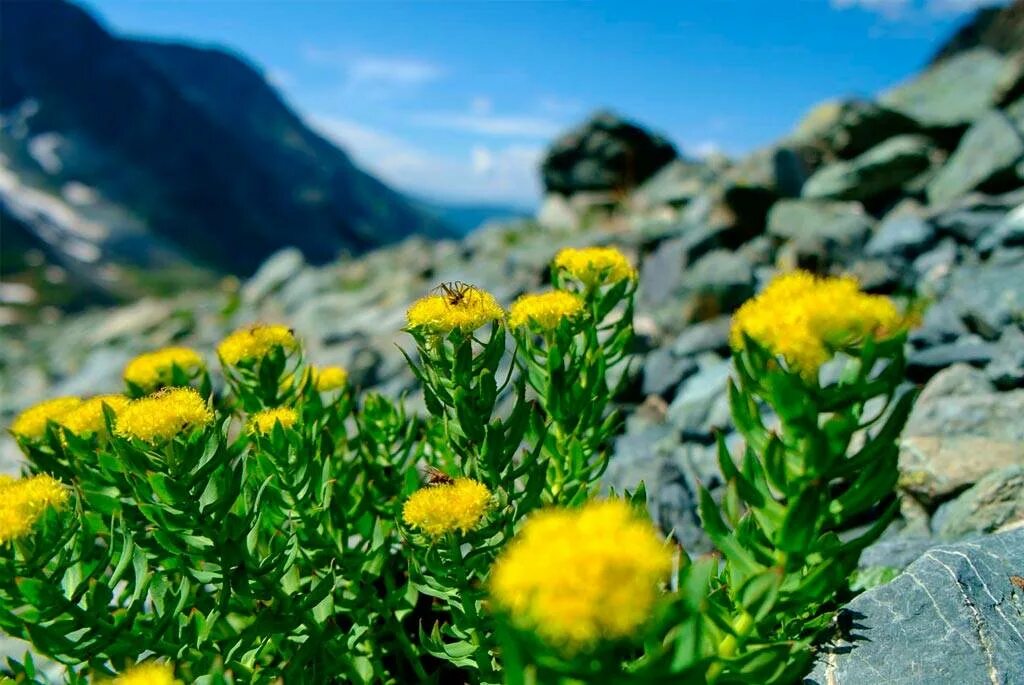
x,y
293,530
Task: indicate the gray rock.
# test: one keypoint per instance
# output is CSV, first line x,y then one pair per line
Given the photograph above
x,y
967,350
988,297
994,501
990,149
880,169
676,184
967,225
661,273
992,415
555,212
940,325
1006,370
902,233
952,93
277,270
952,617
959,380
846,128
1009,232
663,371
706,336
831,230
605,153
934,468
721,280
698,406
781,170
934,267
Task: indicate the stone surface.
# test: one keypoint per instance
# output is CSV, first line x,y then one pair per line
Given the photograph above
x,y
274,273
1006,370
988,296
902,233
605,153
846,128
953,616
826,229
992,146
995,501
701,404
934,468
882,168
1009,232
952,93
921,364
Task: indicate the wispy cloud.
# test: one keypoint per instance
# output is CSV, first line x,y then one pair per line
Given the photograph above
x,y
490,124
376,75
915,9
504,173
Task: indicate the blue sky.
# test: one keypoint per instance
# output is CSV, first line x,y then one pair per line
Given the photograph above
x,y
457,101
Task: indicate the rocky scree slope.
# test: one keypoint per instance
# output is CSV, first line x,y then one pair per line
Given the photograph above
x,y
921,192
128,157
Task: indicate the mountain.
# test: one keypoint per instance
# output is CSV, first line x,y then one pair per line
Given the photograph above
x,y
127,154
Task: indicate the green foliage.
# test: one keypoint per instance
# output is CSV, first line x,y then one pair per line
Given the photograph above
x,y
292,555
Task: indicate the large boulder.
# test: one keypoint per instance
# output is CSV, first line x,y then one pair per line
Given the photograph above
x,y
606,153
846,128
987,154
820,231
883,168
954,616
952,93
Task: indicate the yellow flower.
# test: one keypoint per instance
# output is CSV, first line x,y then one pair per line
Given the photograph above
x,y
447,507
23,501
255,343
87,418
329,378
148,673
578,576
161,416
544,310
595,265
805,319
263,422
153,370
441,314
31,423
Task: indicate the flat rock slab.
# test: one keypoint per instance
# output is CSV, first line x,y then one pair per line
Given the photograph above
x,y
953,617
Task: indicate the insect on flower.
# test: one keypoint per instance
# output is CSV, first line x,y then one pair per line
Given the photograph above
x,y
435,476
454,292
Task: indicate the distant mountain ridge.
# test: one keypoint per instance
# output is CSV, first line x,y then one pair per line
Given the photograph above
x,y
143,155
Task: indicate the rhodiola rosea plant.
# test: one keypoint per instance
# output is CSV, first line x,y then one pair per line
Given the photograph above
x,y
294,530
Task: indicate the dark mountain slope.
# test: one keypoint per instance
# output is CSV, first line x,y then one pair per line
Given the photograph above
x,y
221,168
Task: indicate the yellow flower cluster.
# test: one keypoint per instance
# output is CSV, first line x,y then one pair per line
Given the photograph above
x,y
595,266
442,314
329,378
544,310
87,418
579,576
804,318
154,370
31,423
148,673
447,507
263,422
161,416
23,501
255,343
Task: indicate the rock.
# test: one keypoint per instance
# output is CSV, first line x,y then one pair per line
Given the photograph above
x,y
959,380
847,128
706,336
966,225
952,93
276,271
953,616
934,468
1008,232
675,184
895,552
994,501
989,415
604,153
902,233
940,325
987,153
663,371
875,275
1006,370
661,272
555,212
780,170
720,282
882,168
971,349
823,229
988,296
934,267
698,407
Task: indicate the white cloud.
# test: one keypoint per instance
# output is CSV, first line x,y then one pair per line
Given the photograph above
x,y
376,76
902,9
505,174
705,148
491,124
279,78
